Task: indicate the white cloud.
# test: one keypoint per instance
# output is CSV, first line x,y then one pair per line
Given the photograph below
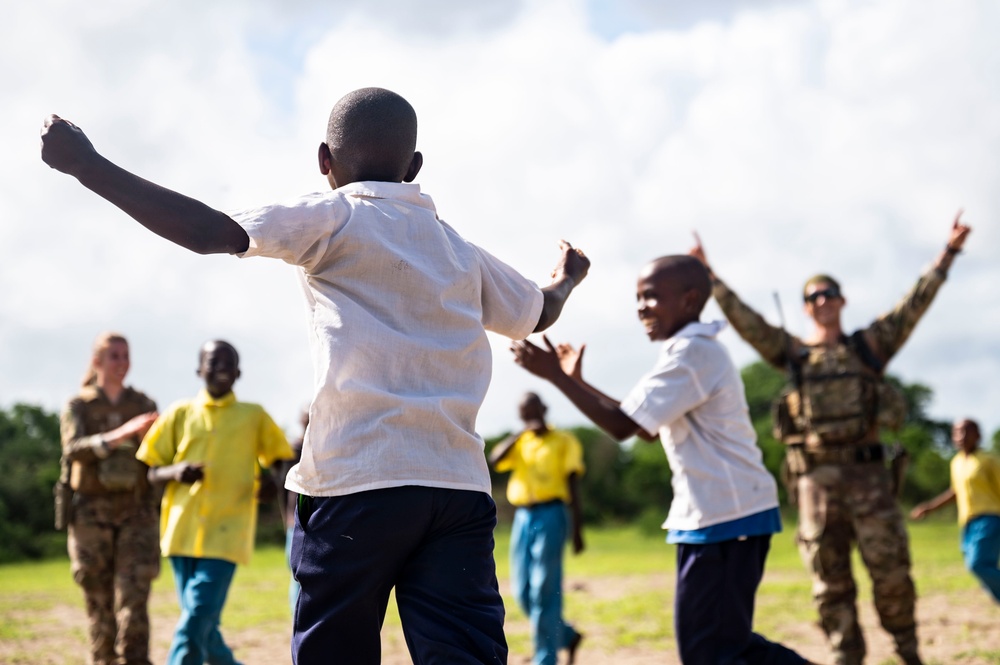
x,y
796,137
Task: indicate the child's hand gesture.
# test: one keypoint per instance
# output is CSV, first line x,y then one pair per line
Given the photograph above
x,y
573,264
186,472
64,145
571,360
541,362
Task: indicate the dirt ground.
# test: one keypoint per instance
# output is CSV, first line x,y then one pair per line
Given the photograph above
x,y
961,627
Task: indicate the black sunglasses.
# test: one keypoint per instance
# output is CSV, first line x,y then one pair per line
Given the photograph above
x,y
829,293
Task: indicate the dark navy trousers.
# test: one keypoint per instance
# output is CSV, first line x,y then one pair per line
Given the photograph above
x,y
714,601
434,546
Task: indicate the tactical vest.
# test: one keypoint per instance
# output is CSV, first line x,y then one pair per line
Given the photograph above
x,y
120,471
837,396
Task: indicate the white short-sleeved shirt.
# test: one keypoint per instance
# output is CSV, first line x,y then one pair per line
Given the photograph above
x,y
694,398
398,306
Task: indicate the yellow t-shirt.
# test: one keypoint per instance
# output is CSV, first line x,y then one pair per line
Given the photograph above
x,y
214,518
540,467
976,481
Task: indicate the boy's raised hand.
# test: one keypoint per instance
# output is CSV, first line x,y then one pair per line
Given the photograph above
x,y
573,264
571,359
64,145
543,363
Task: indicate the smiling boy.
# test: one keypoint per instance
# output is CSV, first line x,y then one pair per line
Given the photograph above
x,y
725,505
209,451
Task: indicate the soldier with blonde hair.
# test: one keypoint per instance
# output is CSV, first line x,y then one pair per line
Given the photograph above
x,y
113,518
829,419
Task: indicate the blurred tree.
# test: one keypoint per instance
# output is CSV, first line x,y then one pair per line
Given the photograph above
x,y
29,460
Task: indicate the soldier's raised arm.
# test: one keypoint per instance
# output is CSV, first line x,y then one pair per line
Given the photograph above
x,y
771,342
891,330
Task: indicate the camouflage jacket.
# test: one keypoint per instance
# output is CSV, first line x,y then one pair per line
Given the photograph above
x,y
94,471
883,337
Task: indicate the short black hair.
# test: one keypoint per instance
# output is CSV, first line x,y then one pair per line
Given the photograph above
x,y
373,133
218,343
688,273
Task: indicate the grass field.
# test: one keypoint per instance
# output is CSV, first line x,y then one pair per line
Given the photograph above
x,y
619,594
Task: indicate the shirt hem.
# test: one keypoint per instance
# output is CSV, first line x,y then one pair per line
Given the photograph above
x,y
702,524
366,487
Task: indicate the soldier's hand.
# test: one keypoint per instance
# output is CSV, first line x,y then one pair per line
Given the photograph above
x,y
64,145
135,427
698,251
959,232
919,512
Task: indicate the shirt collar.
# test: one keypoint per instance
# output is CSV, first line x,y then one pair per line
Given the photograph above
x,y
205,399
699,329
400,191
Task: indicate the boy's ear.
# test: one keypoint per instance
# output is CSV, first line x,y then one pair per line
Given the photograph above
x,y
414,168
325,159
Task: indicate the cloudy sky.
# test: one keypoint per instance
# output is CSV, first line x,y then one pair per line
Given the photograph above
x,y
796,137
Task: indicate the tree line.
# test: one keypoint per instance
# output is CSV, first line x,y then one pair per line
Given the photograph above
x,y
627,483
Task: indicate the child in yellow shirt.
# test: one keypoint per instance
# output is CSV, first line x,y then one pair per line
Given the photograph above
x,y
975,487
209,452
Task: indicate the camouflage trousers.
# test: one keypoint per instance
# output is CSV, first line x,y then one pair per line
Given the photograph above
x,y
115,554
843,505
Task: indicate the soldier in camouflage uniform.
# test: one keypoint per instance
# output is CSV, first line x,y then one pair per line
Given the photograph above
x,y
836,458
113,528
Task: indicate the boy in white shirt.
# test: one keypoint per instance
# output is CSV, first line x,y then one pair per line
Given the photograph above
x,y
725,505
394,483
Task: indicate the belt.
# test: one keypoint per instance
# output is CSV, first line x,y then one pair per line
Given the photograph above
x,y
541,504
846,454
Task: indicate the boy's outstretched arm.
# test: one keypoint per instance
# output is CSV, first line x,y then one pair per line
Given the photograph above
x,y
178,218
921,510
570,271
602,410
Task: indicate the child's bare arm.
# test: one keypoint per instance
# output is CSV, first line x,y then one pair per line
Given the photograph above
x,y
570,271
178,218
182,472
921,510
502,448
604,411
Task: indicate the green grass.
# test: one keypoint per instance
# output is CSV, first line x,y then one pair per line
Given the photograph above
x,y
620,591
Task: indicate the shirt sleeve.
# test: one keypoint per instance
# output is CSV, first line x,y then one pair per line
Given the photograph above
x,y
159,446
299,232
664,395
509,461
272,443
512,304
771,343
77,446
891,330
574,455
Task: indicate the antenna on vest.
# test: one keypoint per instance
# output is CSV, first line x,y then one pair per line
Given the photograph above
x,y
794,370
